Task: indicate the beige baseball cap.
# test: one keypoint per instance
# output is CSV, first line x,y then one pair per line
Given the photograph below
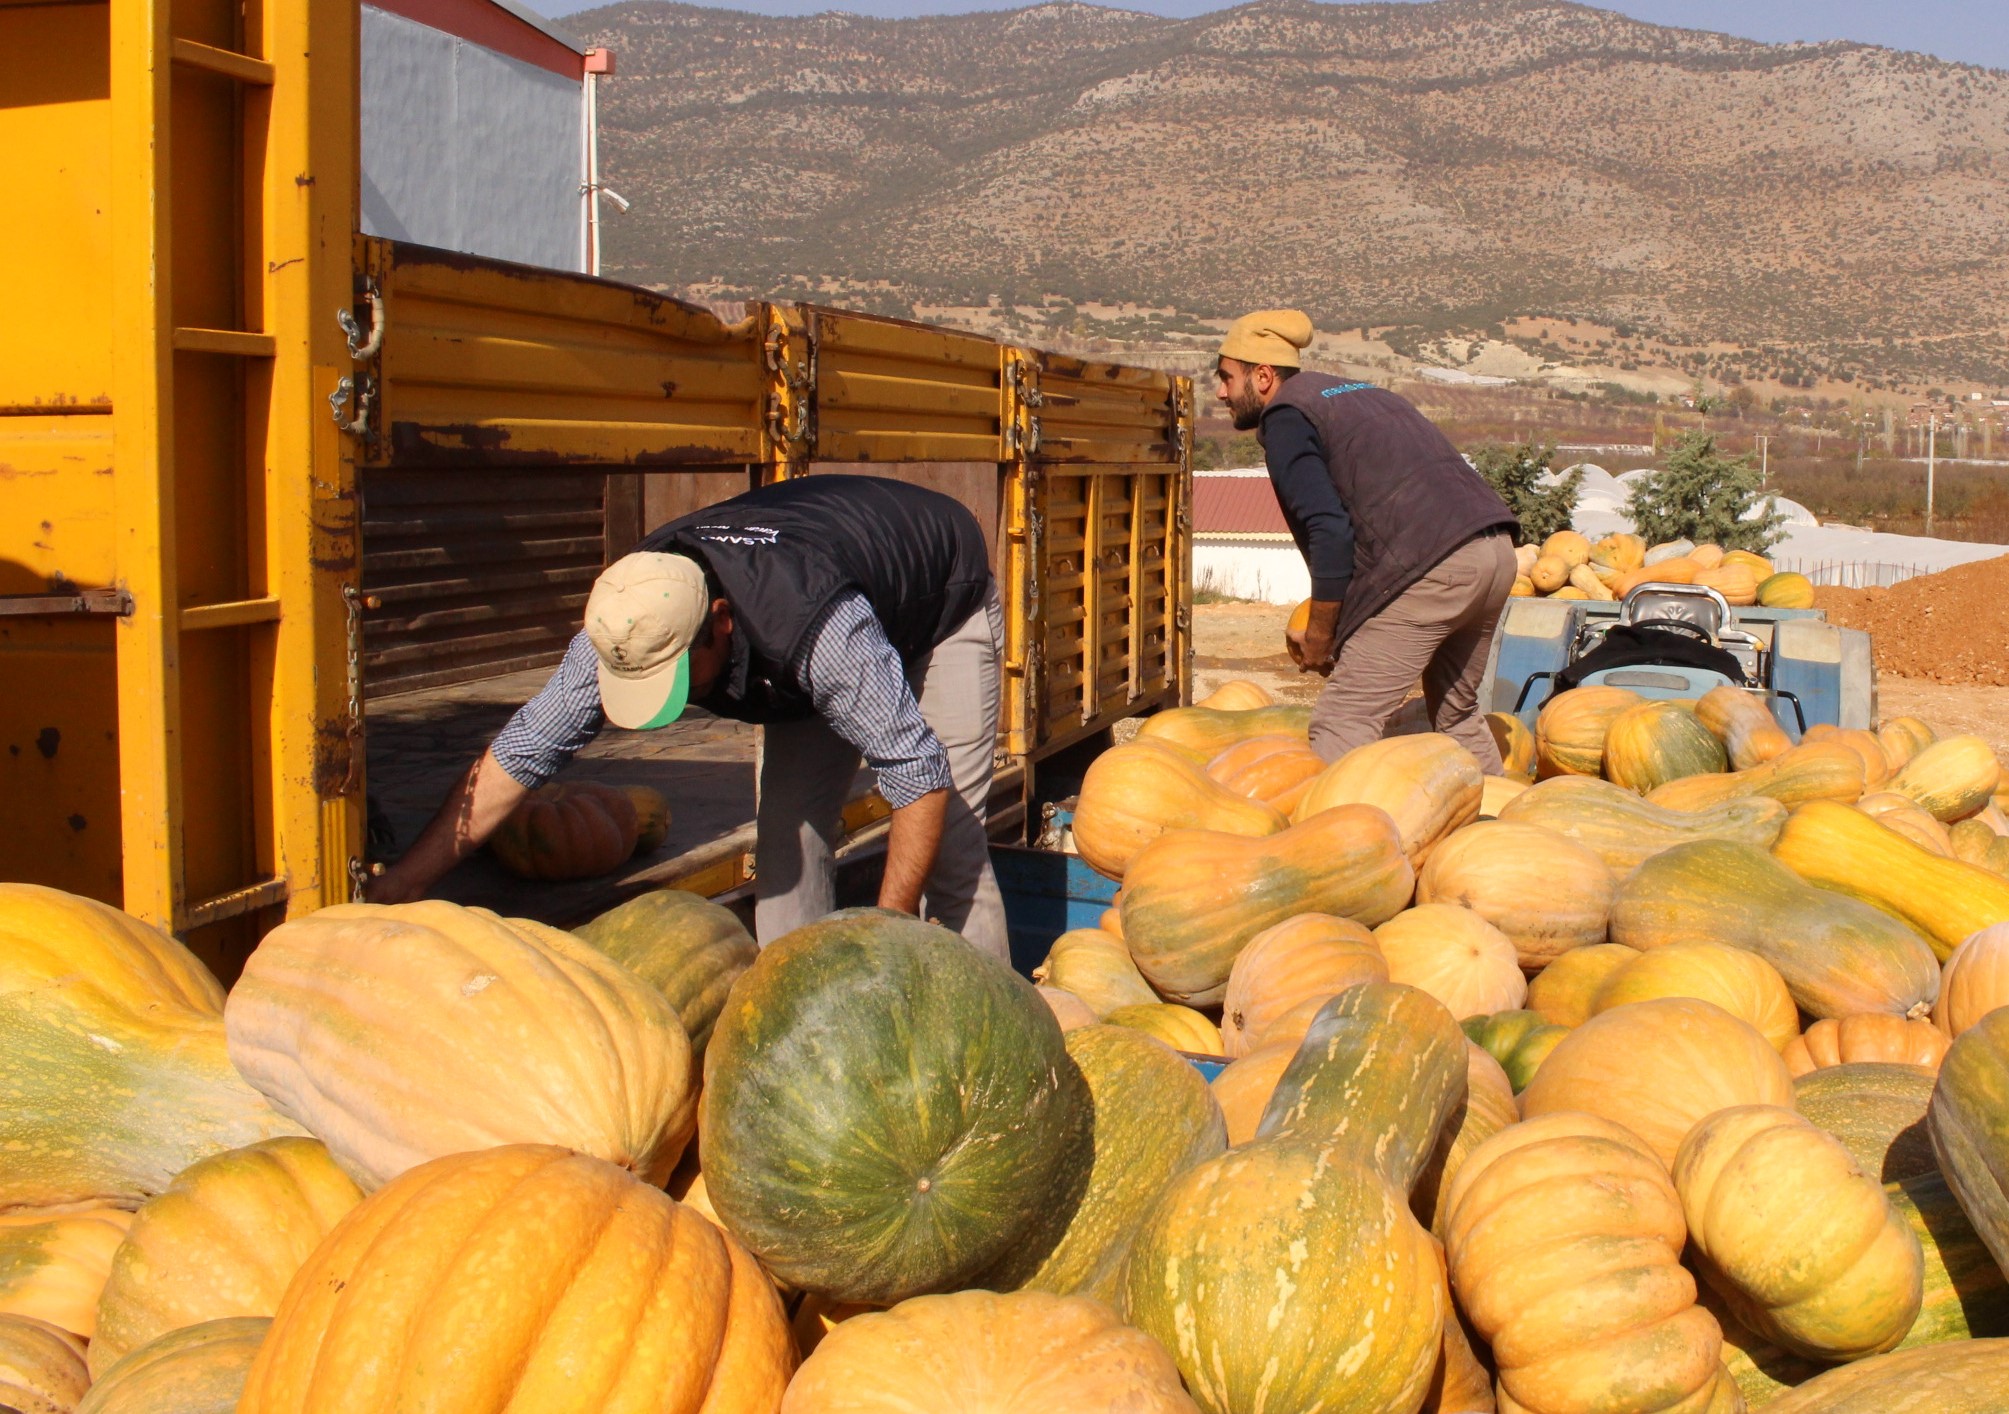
x,y
643,614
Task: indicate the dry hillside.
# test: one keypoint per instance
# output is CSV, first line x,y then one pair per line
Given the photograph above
x,y
1441,166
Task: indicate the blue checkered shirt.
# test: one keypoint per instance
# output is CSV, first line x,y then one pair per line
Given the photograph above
x,y
850,672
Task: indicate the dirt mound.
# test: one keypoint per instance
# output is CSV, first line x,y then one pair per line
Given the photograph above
x,y
1950,627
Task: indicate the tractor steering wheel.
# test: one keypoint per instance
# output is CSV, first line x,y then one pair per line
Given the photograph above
x,y
1694,631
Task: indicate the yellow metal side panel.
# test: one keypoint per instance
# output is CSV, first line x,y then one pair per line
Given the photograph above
x,y
55,238
56,491
490,364
1105,412
59,764
887,390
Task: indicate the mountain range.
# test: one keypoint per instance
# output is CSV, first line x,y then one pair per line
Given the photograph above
x,y
1420,170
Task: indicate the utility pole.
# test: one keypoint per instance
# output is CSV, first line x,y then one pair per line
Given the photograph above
x,y
1931,465
1764,460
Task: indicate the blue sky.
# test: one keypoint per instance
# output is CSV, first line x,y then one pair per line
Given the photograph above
x,y
1971,31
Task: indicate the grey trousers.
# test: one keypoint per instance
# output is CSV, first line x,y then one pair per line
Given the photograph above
x,y
807,770
1439,629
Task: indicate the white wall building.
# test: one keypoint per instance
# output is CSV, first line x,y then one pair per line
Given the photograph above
x,y
475,130
1241,545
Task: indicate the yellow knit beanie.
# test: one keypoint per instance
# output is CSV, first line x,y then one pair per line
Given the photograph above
x,y
1273,336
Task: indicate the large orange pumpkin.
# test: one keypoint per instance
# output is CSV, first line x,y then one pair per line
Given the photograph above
x,y
1868,1036
379,1027
1238,695
1138,791
1428,784
42,1368
1546,893
1976,980
53,1264
1650,744
1742,983
1570,729
1245,1084
1564,1235
1750,734
1658,1067
1273,769
979,1352
1456,956
568,830
1565,991
1311,956
519,1278
1516,742
1193,899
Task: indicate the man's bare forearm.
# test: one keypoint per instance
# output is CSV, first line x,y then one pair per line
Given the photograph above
x,y
910,851
472,811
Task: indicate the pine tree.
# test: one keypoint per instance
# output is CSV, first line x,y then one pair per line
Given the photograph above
x,y
1707,497
1517,472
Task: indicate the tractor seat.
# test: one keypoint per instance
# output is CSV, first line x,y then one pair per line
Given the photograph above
x,y
1694,604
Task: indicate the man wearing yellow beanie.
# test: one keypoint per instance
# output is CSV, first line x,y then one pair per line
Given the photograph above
x,y
1410,551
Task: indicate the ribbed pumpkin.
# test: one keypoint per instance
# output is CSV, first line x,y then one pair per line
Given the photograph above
x,y
1547,893
1096,967
112,1056
1656,742
1488,1108
1428,784
1786,590
1563,991
1570,729
1976,981
1153,1118
1658,1068
1375,1078
1975,842
1910,819
1802,1244
1550,573
1750,734
1245,1084
1180,1027
1952,778
1138,791
373,1025
1353,1328
1871,1036
1625,831
1204,732
1839,956
1679,569
1737,583
1970,1377
54,1264
910,1093
1903,738
41,1367
197,1369
1311,956
1569,546
1877,1109
518,1278
1273,769
1069,1010
1866,744
1965,1297
1454,955
1707,556
568,830
1758,564
1969,1120
979,1352
1516,743
1238,695
1495,794
1815,770
1193,899
223,1241
1564,1237
690,948
1742,983
1943,900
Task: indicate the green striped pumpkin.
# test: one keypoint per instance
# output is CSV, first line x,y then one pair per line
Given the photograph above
x,y
198,1369
1877,1109
1969,1120
690,948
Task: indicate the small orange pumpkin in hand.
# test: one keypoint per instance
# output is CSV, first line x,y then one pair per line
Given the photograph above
x,y
577,830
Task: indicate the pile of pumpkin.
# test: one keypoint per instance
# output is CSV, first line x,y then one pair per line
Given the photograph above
x,y
1740,1141
1568,566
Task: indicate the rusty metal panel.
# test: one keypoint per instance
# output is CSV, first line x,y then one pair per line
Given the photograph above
x,y
891,391
1106,413
487,364
469,577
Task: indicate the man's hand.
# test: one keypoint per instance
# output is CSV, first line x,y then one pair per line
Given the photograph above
x,y
1312,645
910,851
473,810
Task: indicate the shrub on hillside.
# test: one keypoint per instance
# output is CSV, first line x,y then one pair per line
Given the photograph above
x,y
1705,496
1520,473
